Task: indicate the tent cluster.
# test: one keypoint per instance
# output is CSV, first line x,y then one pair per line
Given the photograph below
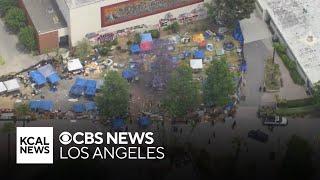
x,y
9,86
41,105
84,107
44,74
83,87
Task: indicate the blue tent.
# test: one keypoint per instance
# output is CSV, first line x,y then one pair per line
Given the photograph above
x,y
78,108
237,34
144,121
135,48
146,37
118,123
129,74
54,78
229,106
78,88
37,77
90,106
244,67
91,88
199,54
42,105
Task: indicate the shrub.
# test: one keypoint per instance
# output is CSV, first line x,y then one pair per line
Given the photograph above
x,y
5,5
27,38
15,19
155,33
137,38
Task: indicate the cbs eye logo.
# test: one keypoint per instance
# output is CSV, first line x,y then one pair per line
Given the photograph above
x,y
65,138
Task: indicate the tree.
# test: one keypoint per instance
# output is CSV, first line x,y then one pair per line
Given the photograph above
x,y
297,163
8,128
15,19
316,94
5,5
219,84
228,12
83,49
114,99
183,92
27,38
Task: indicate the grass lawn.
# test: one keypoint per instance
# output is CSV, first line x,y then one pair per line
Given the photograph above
x,y
2,62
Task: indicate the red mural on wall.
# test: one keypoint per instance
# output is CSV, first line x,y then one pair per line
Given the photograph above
x,y
134,9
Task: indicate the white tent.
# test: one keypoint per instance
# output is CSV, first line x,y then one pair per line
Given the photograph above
x,y
12,85
196,64
2,87
74,65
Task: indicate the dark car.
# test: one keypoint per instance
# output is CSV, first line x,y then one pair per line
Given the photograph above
x,y
258,135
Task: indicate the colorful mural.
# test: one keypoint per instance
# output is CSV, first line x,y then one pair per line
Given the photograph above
x,y
135,9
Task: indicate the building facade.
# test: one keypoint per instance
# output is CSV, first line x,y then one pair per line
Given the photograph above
x,y
97,20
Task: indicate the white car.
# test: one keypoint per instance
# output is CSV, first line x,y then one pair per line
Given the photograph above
x,y
275,121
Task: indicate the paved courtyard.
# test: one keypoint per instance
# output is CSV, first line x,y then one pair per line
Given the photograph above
x,y
15,59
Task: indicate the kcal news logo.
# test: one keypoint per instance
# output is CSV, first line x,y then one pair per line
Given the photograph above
x,y
34,145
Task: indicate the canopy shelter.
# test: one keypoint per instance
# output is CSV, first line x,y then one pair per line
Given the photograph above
x,y
37,78
237,34
146,37
78,87
41,105
12,85
90,106
199,54
78,108
2,88
135,48
146,46
46,70
117,124
196,64
91,88
129,74
54,78
144,121
74,65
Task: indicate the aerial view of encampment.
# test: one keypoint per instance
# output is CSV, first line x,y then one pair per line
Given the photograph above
x,y
160,89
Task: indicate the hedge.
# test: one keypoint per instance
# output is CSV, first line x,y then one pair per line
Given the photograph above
x,y
296,103
297,111
290,64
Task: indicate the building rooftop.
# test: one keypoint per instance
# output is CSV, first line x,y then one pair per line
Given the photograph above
x,y
78,3
299,23
45,15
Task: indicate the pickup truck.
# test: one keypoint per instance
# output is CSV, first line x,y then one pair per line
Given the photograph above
x,y
275,121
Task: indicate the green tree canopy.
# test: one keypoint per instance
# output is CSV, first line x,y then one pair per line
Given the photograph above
x,y
219,84
228,12
316,94
83,49
297,163
183,92
5,5
27,38
15,19
114,99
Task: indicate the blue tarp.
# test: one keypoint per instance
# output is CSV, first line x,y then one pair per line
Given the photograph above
x,y
91,88
244,67
199,54
54,78
135,48
237,34
42,105
37,77
144,121
78,108
118,123
79,86
146,37
90,106
229,106
129,74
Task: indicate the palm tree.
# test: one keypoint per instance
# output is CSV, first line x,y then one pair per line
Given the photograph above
x,y
8,128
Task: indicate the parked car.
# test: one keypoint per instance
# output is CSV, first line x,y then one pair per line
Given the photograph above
x,y
258,135
275,121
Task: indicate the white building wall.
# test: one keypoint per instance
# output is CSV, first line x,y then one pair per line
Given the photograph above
x,y
87,19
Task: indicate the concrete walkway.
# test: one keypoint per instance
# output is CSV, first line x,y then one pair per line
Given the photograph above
x,y
15,60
